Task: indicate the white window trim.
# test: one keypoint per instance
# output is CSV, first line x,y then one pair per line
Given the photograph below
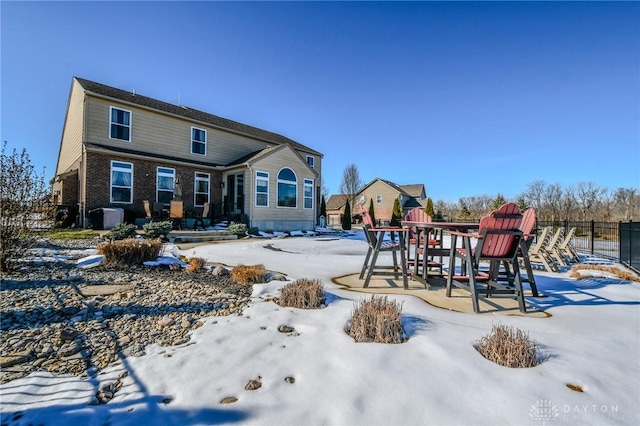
x,y
307,183
378,199
313,161
290,183
193,140
111,182
165,174
195,187
111,108
256,186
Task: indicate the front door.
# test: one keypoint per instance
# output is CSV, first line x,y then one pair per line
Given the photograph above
x,y
235,193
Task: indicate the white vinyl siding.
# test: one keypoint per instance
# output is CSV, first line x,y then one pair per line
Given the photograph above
x,y
262,189
119,124
121,182
165,184
198,141
201,189
308,194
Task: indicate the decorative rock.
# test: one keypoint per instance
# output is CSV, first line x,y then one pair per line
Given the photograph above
x,y
275,276
70,348
290,380
285,329
254,384
68,334
165,322
221,271
14,359
229,400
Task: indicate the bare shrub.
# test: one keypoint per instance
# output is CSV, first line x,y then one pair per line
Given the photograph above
x,y
195,264
24,205
131,251
509,347
248,274
303,294
377,320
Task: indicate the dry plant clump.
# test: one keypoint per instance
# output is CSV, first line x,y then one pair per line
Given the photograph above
x,y
509,347
195,264
248,274
131,251
303,294
618,272
377,320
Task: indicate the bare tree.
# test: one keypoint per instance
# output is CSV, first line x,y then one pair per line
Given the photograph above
x,y
534,194
587,194
24,200
351,183
477,206
568,202
626,202
551,200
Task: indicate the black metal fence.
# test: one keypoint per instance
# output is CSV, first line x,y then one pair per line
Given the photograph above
x,y
619,241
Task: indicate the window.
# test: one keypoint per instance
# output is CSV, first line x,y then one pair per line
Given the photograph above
x,y
287,188
201,189
198,141
311,161
121,182
165,184
120,120
308,194
262,189
378,199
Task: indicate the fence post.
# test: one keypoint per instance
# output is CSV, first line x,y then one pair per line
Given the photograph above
x,y
593,228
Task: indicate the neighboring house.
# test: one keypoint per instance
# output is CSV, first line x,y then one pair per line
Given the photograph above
x,y
335,209
119,148
383,193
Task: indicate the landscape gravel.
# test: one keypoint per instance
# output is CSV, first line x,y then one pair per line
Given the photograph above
x,y
57,317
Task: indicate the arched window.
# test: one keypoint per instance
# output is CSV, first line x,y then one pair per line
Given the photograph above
x,y
287,188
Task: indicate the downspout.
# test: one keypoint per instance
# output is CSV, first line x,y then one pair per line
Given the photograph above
x,y
83,167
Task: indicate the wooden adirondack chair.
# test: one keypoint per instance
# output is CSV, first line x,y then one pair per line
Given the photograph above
x,y
176,213
538,252
375,240
527,225
498,242
554,247
566,249
199,220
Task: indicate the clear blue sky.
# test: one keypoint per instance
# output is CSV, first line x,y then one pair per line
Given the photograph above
x,y
454,95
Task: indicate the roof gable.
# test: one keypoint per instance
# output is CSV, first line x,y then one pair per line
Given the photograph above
x,y
190,113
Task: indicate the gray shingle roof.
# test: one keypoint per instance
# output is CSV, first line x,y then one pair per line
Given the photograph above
x,y
193,114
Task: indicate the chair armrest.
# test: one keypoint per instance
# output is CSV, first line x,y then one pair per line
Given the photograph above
x,y
463,234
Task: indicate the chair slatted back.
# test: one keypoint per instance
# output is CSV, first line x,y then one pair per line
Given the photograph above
x,y
147,208
500,233
528,223
416,215
176,210
368,227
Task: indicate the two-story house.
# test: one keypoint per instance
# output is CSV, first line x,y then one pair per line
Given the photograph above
x,y
119,148
383,193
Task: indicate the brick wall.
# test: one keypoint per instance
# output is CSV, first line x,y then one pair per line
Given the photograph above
x,y
144,182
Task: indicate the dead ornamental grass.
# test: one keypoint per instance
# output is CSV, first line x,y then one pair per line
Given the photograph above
x,y
377,320
509,347
130,251
195,264
249,274
618,272
303,294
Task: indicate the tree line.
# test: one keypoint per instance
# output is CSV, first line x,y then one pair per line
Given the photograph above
x,y
553,202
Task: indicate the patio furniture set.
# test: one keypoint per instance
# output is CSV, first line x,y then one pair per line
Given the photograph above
x,y
484,258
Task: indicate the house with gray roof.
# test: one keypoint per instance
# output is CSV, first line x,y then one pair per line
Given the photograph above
x,y
120,148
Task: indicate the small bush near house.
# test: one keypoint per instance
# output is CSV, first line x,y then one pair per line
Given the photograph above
x,y
130,251
238,228
377,320
249,274
121,231
253,230
303,294
509,347
157,229
195,264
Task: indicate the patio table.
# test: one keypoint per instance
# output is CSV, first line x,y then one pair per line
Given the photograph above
x,y
426,227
